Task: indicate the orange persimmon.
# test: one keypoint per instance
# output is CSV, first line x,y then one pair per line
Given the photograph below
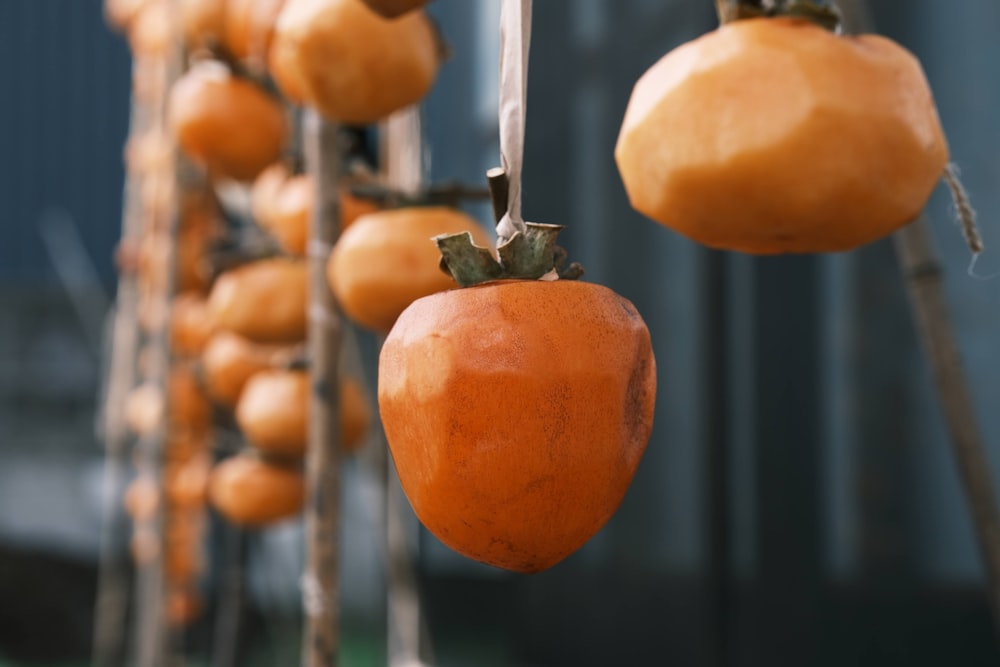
x,y
517,413
249,27
264,301
191,326
202,21
229,125
273,409
351,64
774,135
229,360
251,492
386,260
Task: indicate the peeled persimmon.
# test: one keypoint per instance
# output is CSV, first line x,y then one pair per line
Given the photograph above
x,y
282,203
250,492
274,407
249,27
191,326
228,124
517,413
229,360
264,301
186,482
202,21
142,498
775,135
352,65
386,260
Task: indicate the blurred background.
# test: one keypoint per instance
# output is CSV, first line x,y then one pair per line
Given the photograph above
x,y
798,503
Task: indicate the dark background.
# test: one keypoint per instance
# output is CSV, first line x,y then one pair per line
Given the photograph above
x,y
797,504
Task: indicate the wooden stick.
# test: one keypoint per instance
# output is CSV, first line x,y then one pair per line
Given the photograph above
x,y
320,580
111,605
922,271
401,152
923,275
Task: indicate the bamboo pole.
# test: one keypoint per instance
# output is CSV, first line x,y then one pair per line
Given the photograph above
x,y
923,274
320,581
111,604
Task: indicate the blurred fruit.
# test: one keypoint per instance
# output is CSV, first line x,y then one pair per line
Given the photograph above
x,y
250,492
191,325
387,260
264,301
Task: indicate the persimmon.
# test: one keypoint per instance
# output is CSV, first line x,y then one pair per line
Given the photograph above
x,y
183,444
149,33
386,260
191,326
273,413
184,605
517,413
393,8
142,498
120,13
249,27
351,64
144,409
251,492
186,482
228,124
264,301
282,203
203,22
775,135
229,360
187,406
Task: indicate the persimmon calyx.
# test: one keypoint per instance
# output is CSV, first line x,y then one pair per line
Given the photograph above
x,y
529,255
821,12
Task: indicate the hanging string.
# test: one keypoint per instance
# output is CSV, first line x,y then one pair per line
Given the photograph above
x,y
515,41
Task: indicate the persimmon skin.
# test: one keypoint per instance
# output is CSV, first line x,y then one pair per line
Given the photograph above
x,y
517,413
273,413
249,27
387,260
777,136
202,21
191,327
351,64
264,301
229,125
252,493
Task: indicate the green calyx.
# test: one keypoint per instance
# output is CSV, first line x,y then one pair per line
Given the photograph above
x,y
529,255
821,12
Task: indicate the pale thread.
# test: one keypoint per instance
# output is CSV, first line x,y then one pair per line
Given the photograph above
x,y
405,161
963,207
515,40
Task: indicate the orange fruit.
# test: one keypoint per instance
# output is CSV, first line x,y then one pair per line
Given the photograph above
x,y
517,413
776,136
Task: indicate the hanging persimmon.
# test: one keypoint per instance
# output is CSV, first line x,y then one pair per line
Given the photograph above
x,y
203,22
120,13
191,326
282,203
264,301
185,483
775,135
149,33
142,498
351,64
184,605
250,492
517,413
229,360
249,27
386,260
227,124
273,413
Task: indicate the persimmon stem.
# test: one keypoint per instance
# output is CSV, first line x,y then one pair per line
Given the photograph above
x,y
821,12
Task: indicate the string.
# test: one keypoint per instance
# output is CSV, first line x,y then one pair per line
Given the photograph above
x,y
515,41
